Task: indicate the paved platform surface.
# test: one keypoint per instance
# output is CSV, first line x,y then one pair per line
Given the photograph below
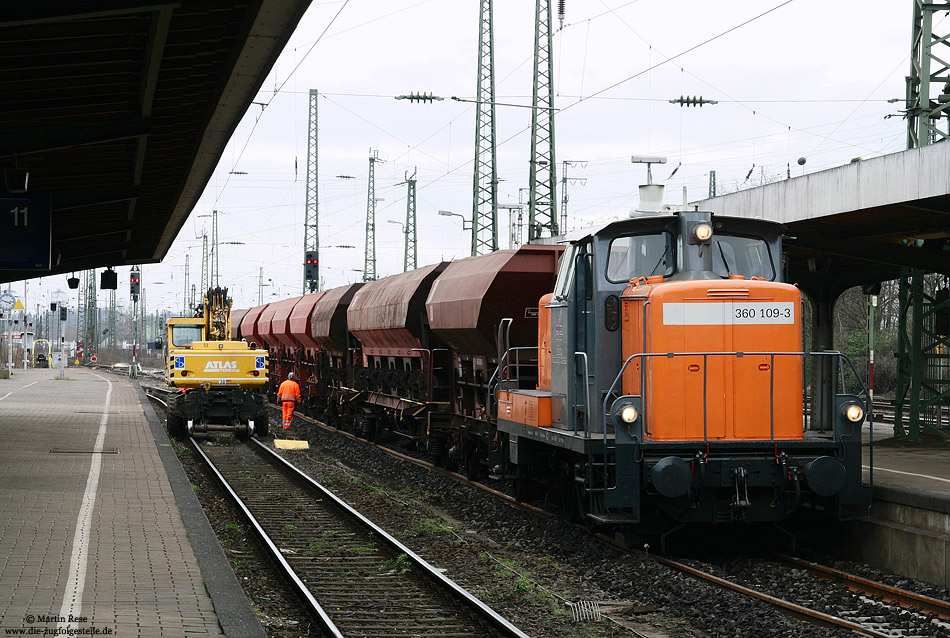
x,y
91,535
918,467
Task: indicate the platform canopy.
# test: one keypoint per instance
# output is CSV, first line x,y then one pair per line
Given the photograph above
x,y
868,218
119,111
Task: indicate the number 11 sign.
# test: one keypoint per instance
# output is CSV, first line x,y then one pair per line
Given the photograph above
x,y
25,233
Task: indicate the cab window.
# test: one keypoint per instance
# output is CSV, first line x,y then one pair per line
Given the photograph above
x,y
565,273
746,256
640,256
184,335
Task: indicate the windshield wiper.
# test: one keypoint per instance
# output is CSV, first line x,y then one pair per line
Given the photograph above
x,y
724,262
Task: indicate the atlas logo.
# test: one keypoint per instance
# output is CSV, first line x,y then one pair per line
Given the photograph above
x,y
221,366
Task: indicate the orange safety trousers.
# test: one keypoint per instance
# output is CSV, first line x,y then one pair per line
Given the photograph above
x,y
287,413
288,394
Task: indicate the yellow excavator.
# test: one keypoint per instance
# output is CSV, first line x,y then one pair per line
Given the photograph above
x,y
221,381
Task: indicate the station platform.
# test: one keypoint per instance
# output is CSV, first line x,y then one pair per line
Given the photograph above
x,y
922,466
100,529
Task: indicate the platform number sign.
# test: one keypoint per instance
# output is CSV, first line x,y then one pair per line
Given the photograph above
x,y
25,233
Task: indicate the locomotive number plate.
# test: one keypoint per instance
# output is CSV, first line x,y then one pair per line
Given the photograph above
x,y
728,313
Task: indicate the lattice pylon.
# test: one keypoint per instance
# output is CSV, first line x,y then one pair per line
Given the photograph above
x,y
311,228
369,264
485,196
542,204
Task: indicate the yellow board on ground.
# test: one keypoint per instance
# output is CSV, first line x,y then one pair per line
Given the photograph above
x,y
291,444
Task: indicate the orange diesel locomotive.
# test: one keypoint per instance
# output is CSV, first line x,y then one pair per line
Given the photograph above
x,y
670,385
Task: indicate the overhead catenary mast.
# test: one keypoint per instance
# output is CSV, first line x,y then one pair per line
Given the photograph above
x,y
311,229
542,205
204,263
369,264
410,254
485,197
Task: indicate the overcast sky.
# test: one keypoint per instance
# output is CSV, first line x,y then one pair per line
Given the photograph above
x,y
809,78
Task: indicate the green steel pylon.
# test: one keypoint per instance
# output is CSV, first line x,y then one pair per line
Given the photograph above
x,y
90,324
369,264
923,363
311,229
542,203
113,342
485,196
927,116
410,255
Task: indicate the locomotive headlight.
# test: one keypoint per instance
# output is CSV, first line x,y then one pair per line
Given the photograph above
x,y
629,414
853,412
702,233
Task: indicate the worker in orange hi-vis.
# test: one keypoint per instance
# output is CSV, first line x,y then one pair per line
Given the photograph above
x,y
288,395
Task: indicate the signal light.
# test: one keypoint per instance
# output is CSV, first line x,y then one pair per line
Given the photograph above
x,y
135,283
311,265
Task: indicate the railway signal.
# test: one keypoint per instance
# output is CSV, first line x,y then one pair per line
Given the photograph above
x,y
311,266
135,283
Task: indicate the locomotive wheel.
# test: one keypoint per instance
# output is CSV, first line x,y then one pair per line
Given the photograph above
x,y
570,493
520,484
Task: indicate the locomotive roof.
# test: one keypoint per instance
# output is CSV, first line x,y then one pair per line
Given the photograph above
x,y
656,222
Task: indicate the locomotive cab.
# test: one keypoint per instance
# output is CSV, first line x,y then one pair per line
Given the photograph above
x,y
671,381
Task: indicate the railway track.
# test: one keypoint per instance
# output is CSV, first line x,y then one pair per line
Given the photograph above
x,y
357,579
873,609
353,577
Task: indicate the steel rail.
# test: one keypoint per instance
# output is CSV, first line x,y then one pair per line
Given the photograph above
x,y
298,585
797,611
481,609
789,608
164,404
892,595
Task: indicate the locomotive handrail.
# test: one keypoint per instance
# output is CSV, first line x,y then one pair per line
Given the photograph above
x,y
583,356
498,376
837,435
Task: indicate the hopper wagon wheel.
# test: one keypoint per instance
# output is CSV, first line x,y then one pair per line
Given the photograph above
x,y
437,450
364,427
